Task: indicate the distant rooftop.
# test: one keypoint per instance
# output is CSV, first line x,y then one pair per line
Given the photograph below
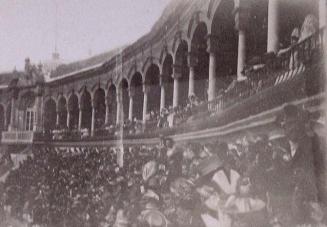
x,y
69,68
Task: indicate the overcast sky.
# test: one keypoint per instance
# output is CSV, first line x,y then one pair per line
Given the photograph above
x,y
27,27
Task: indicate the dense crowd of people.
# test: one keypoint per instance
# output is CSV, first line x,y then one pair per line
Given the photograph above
x,y
254,181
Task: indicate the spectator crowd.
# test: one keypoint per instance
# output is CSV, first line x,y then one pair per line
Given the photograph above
x,y
254,181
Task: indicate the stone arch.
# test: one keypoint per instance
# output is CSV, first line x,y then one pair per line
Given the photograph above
x,y
86,109
132,71
99,104
148,63
62,111
49,114
179,39
112,103
152,83
73,109
136,88
163,53
197,18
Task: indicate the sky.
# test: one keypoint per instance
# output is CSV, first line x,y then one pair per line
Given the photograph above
x,y
84,27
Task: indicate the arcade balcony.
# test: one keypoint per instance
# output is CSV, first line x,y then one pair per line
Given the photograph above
x,y
297,75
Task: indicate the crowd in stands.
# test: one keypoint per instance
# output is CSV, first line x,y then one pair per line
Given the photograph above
x,y
254,181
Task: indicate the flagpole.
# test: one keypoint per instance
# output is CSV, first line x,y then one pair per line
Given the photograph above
x,y
120,144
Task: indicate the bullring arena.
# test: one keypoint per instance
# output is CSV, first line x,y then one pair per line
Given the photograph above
x,y
216,117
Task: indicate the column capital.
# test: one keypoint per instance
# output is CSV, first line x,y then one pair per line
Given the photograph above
x,y
177,71
191,59
212,43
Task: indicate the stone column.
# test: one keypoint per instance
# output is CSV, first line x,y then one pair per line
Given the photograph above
x,y
145,101
241,56
93,120
57,117
273,26
162,97
177,73
106,120
191,64
131,103
80,116
212,50
241,22
322,13
162,93
119,109
68,117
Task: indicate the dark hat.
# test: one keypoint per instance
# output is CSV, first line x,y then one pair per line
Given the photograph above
x,y
290,113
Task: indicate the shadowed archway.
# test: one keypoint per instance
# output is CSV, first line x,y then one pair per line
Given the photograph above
x,y
50,116
137,87
99,104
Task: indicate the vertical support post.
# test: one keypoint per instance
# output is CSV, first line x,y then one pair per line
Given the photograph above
x,y
131,103
212,77
191,64
130,110
177,73
212,43
106,120
93,121
241,56
68,118
145,102
57,117
162,97
119,111
273,26
80,116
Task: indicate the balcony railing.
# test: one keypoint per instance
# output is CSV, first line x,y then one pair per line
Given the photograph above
x,y
17,137
278,70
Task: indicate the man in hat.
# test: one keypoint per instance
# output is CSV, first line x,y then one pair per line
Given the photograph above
x,y
299,148
300,144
